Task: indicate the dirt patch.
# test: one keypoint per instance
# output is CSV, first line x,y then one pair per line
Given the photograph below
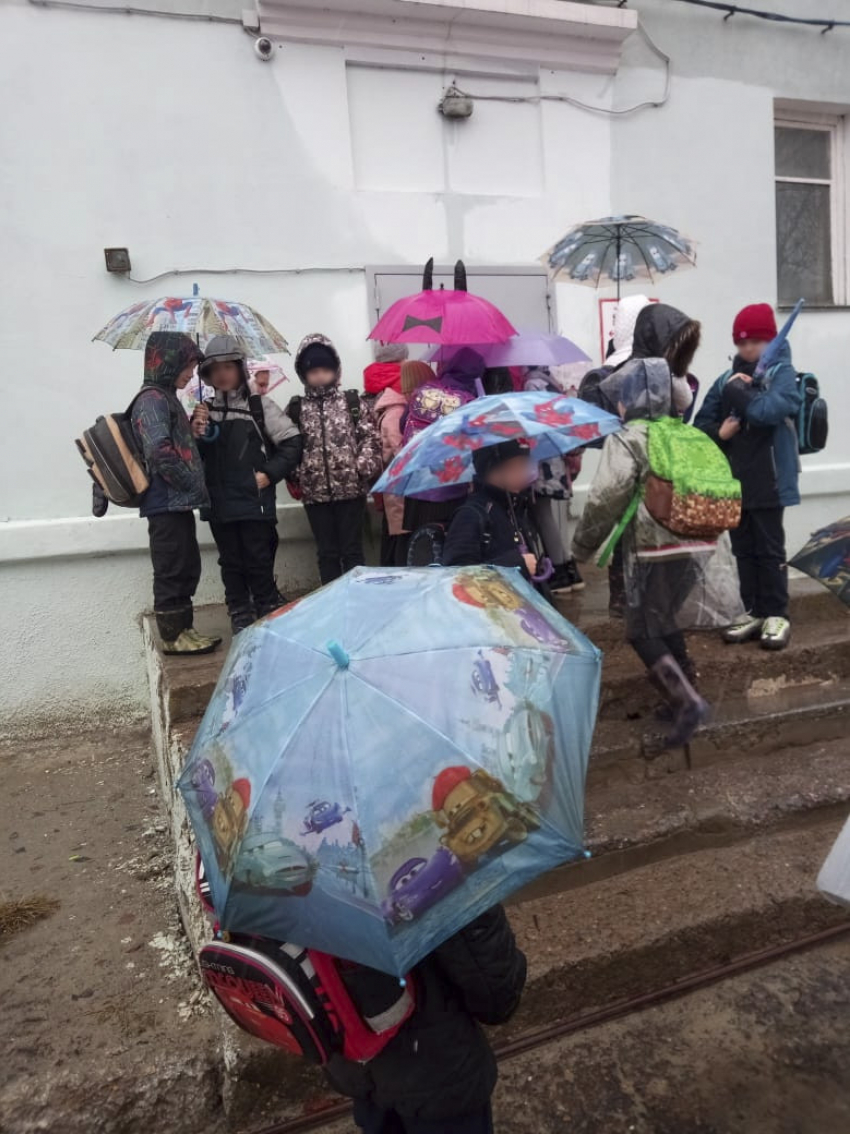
x,y
100,997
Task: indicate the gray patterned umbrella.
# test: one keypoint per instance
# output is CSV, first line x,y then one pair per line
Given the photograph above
x,y
617,249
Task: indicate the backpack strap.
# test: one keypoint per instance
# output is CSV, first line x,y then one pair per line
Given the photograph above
x,y
486,527
352,400
258,416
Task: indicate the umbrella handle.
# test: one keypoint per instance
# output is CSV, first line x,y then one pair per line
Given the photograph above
x,y
547,570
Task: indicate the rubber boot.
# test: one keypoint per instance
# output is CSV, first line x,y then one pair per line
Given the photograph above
x,y
241,616
689,709
178,637
204,643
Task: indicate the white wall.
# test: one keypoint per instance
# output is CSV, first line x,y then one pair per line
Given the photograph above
x,y
173,139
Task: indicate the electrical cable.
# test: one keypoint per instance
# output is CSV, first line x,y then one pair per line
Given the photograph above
x,y
736,10
595,109
127,10
243,271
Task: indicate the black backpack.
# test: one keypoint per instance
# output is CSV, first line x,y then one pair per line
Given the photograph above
x,y
812,421
114,458
352,400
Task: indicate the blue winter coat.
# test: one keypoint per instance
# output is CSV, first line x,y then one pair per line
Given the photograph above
x,y
763,455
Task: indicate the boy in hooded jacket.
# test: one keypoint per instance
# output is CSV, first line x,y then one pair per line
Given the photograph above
x,y
176,488
341,457
438,1074
662,570
248,445
750,419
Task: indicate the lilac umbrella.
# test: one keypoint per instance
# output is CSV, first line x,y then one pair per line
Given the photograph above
x,y
528,348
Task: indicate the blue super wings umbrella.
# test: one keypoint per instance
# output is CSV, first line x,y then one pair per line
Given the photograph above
x,y
384,761
442,454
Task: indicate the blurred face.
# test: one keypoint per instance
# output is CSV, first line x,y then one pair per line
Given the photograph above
x,y
751,350
224,376
262,381
321,376
185,376
514,475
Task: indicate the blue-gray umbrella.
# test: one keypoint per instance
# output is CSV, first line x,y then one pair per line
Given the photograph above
x,y
617,249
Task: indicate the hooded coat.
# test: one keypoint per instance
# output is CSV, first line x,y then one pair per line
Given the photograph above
x,y
659,331
390,408
672,583
763,455
162,428
341,456
440,1065
239,449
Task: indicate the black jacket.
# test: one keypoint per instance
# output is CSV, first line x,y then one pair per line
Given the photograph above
x,y
238,449
440,1064
490,528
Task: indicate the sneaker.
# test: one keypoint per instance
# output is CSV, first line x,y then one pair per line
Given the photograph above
x,y
576,581
775,634
190,642
746,628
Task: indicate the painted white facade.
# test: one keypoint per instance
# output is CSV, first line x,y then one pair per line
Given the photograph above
x,y
170,137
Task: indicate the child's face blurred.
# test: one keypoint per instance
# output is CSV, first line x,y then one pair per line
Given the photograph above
x,y
262,380
513,476
751,350
225,376
321,376
185,377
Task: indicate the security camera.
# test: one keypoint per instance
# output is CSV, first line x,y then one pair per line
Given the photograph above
x,y
263,48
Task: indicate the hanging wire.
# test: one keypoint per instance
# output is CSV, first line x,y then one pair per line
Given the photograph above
x,y
594,108
737,10
243,271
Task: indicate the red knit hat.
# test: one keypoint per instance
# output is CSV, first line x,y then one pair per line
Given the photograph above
x,y
755,322
446,782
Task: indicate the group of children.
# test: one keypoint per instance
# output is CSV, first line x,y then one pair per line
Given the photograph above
x,y
437,1075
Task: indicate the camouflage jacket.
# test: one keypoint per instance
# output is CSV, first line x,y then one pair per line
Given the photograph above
x,y
341,456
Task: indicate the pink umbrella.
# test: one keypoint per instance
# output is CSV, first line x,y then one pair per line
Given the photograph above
x,y
450,317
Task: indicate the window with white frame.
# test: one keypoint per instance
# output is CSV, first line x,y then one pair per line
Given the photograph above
x,y
809,210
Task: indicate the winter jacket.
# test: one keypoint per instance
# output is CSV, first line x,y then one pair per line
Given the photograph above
x,y
490,527
341,456
763,454
162,428
656,329
440,1064
238,449
389,410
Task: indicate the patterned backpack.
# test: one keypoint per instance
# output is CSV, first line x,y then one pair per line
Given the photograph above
x,y
690,489
428,404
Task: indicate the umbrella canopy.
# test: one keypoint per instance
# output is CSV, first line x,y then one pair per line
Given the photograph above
x,y
196,315
826,557
527,348
385,760
617,249
455,317
442,454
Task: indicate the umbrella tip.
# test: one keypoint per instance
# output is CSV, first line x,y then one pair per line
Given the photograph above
x,y
338,654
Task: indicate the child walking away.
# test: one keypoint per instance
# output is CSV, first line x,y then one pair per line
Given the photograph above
x,y
752,420
248,444
672,583
437,1075
494,523
176,488
342,456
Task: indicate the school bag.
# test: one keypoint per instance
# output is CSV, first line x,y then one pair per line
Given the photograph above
x,y
352,401
306,1002
114,458
812,423
690,489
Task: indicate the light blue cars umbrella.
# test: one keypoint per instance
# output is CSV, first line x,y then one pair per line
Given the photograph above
x,y
441,455
381,763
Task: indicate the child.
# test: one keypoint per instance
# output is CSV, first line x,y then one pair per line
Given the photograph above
x,y
342,456
748,417
249,446
176,488
385,372
438,1074
662,570
494,524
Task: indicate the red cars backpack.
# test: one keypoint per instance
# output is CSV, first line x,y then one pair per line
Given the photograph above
x,y
306,1002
